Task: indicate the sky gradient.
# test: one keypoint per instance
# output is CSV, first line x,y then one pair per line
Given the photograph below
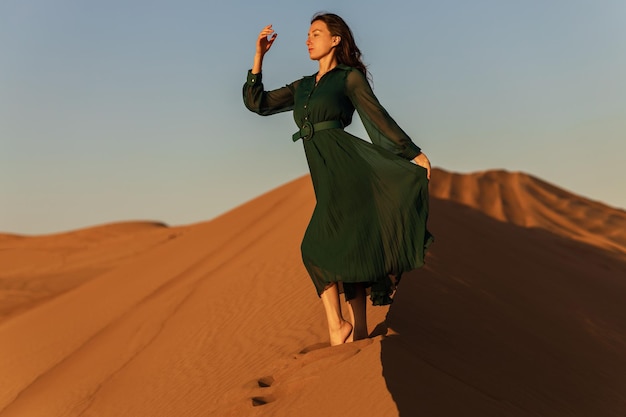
x,y
131,110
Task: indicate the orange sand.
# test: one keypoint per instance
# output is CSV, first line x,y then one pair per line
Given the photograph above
x,y
519,312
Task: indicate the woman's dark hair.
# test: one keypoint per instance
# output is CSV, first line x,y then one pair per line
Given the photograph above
x,y
346,52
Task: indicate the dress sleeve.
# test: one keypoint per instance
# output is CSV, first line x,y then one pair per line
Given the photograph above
x,y
381,128
264,102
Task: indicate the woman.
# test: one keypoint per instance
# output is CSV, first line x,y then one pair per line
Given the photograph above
x,y
369,223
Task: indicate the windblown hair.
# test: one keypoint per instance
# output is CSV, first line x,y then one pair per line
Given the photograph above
x,y
346,52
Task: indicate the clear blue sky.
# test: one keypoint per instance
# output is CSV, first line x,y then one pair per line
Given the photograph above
x,y
131,109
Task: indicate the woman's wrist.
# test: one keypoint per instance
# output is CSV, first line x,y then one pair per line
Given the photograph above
x,y
258,64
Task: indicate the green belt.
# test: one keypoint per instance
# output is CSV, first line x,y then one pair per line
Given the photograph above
x,y
308,129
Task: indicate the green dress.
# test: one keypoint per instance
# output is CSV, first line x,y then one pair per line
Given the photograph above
x,y
369,221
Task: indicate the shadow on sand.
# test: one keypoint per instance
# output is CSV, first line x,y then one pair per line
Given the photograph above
x,y
507,321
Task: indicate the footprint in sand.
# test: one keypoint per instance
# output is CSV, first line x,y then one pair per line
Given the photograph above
x,y
257,401
266,381
290,375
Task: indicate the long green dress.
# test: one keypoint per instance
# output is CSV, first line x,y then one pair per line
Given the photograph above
x,y
372,202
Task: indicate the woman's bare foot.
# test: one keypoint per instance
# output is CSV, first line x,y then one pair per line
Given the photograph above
x,y
341,335
351,336
357,334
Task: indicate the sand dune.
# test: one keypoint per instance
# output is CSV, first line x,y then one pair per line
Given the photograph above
x,y
527,201
35,269
518,312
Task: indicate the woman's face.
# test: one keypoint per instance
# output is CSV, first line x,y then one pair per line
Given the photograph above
x,y
319,41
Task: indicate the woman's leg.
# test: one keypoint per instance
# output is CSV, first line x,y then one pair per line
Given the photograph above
x,y
338,329
358,313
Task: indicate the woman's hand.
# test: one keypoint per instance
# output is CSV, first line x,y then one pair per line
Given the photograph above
x,y
263,43
422,160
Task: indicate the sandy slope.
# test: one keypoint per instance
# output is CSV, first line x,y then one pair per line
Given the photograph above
x,y
220,319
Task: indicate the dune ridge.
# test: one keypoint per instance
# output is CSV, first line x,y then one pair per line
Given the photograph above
x,y
514,314
528,201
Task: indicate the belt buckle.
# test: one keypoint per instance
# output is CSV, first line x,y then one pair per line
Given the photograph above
x,y
307,130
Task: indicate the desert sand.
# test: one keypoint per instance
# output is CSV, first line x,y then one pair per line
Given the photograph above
x,y
520,311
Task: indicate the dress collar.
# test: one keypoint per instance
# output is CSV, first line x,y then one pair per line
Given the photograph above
x,y
338,66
